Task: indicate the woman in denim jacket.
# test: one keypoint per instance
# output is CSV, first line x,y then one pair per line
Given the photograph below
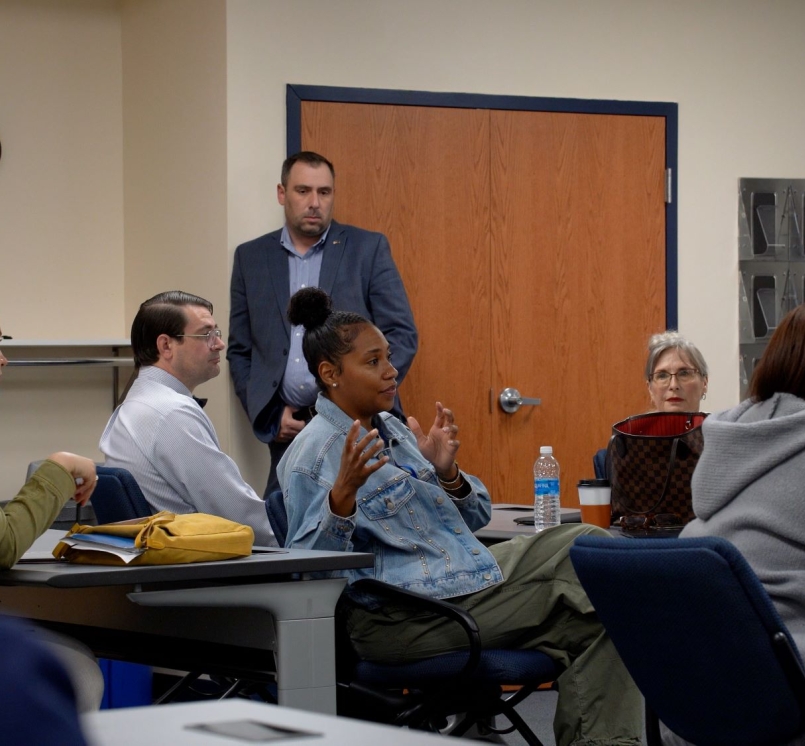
x,y
356,479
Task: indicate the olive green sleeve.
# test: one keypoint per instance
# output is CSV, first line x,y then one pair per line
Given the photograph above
x,y
32,511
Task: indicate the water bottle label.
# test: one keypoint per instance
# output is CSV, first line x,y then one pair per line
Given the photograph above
x,y
544,486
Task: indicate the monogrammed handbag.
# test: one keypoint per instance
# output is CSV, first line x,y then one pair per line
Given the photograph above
x,y
652,458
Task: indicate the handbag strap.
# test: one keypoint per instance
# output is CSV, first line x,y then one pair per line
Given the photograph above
x,y
610,472
671,464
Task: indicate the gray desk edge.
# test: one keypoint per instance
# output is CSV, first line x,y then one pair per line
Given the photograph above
x,y
253,568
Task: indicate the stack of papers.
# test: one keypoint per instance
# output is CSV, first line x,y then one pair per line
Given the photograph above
x,y
120,546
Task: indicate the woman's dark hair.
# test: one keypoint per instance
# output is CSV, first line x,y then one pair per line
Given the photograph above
x,y
781,370
328,334
162,314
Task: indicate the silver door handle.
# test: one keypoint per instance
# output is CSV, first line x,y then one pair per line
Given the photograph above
x,y
510,401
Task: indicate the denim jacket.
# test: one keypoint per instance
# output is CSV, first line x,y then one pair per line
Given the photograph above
x,y
421,538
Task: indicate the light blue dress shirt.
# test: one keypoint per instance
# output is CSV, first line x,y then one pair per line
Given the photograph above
x,y
165,439
298,385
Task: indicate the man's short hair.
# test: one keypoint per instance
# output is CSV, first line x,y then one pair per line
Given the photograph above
x,y
305,156
161,314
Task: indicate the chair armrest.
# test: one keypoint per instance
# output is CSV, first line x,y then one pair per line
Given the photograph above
x,y
435,606
791,664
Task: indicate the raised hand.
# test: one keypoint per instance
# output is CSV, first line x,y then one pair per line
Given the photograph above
x,y
355,468
439,446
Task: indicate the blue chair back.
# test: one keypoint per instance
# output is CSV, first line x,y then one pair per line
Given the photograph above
x,y
277,517
601,464
117,496
699,635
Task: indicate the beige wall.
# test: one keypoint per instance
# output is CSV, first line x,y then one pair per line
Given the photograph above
x,y
61,175
112,188
174,158
61,218
143,138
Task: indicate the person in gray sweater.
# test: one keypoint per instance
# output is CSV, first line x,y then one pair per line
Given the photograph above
x,y
748,484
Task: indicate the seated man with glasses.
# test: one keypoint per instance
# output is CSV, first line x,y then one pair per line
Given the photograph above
x,y
160,432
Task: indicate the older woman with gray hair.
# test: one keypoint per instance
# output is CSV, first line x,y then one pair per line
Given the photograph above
x,y
676,374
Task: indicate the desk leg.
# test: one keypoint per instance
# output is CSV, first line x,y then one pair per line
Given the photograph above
x,y
303,614
305,658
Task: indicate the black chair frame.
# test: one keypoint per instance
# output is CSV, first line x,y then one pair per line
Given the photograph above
x,y
423,695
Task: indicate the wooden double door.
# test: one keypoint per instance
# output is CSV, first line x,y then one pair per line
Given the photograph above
x,y
532,247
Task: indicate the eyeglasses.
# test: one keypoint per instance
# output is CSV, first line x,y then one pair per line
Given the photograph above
x,y
684,375
658,522
212,336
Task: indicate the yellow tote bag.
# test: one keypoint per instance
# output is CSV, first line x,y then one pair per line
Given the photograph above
x,y
164,539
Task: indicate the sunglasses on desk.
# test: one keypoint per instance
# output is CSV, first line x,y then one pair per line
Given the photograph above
x,y
651,522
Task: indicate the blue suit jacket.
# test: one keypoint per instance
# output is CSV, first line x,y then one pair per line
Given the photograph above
x,y
359,274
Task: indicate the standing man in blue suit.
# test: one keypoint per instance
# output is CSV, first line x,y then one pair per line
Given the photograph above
x,y
354,266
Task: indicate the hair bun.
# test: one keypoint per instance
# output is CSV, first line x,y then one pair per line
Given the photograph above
x,y
309,307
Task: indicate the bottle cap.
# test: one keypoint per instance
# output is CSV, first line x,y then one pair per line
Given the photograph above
x,y
544,450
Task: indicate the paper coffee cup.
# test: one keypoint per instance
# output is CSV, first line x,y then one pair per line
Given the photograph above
x,y
594,499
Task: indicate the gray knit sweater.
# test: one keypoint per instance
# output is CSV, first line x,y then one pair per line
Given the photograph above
x,y
749,487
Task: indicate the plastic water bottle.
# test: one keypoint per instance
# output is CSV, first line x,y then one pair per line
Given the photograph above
x,y
546,490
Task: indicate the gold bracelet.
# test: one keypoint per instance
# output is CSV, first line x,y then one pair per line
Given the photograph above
x,y
457,488
446,483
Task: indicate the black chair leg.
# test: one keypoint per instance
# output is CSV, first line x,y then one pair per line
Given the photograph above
x,y
234,689
522,728
177,688
517,723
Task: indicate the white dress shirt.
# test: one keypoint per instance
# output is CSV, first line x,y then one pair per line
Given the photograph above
x,y
167,442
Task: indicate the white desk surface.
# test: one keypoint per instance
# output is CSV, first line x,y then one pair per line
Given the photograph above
x,y
167,724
